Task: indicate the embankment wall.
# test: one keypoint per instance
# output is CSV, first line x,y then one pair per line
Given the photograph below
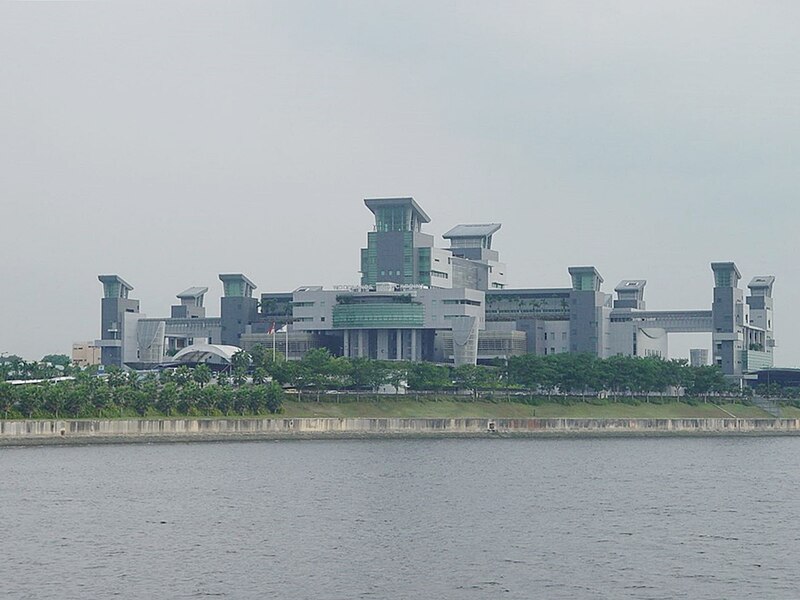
x,y
207,429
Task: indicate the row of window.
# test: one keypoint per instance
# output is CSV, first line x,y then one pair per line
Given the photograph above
x,y
553,335
462,301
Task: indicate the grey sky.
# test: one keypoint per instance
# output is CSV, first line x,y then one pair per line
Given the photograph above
x,y
169,142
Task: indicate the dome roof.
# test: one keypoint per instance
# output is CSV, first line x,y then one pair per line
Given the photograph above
x,y
200,353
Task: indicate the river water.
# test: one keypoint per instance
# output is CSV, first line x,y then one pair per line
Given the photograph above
x,y
550,518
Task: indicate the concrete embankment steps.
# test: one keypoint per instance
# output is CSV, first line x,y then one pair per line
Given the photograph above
x,y
203,429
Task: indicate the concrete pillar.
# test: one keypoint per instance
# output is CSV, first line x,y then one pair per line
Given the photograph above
x,y
414,344
399,344
382,343
346,342
361,344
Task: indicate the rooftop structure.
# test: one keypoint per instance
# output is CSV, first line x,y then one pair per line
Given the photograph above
x,y
191,306
630,294
585,279
114,286
236,285
475,235
726,274
397,214
193,296
762,285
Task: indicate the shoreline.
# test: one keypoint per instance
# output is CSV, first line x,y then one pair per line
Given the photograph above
x,y
217,429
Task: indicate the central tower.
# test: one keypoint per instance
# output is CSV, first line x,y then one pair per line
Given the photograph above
x,y
397,250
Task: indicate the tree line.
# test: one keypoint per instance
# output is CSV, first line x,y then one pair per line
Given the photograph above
x,y
256,383
178,392
557,374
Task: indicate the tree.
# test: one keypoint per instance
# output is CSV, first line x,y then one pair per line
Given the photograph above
x,y
427,376
183,375
167,399
202,375
239,376
396,375
706,380
532,372
61,360
240,360
317,369
274,397
187,398
259,375
467,377
76,400
53,396
139,401
6,398
29,400
258,356
207,400
116,377
225,399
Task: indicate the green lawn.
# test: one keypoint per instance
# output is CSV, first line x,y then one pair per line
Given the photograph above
x,y
790,412
500,410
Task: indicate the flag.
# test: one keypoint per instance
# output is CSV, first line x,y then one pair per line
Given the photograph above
x,y
272,329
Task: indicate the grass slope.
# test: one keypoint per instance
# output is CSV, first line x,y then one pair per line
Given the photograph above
x,y
505,410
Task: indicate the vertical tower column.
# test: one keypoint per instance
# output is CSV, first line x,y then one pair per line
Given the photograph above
x,y
727,316
114,308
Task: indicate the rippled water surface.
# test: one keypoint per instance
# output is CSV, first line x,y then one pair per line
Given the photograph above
x,y
570,518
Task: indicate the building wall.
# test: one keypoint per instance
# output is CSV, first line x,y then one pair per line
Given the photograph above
x,y
237,313
589,317
727,337
392,322
112,327
85,354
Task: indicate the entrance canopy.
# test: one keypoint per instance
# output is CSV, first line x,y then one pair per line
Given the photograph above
x,y
215,354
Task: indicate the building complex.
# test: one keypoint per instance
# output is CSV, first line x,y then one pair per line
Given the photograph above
x,y
416,301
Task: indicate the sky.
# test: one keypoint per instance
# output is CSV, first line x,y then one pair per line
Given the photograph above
x,y
168,142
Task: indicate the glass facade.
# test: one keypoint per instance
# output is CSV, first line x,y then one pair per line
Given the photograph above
x,y
393,218
722,279
369,260
408,257
233,288
584,282
111,289
755,360
378,315
424,266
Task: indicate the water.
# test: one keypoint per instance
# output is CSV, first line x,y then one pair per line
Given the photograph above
x,y
570,518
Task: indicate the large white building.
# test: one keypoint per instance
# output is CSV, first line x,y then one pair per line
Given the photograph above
x,y
419,302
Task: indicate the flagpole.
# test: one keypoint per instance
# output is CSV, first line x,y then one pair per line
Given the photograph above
x,y
274,333
287,340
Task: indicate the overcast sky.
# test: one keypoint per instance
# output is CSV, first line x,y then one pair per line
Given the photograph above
x,y
171,142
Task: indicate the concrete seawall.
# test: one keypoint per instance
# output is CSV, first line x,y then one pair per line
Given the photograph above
x,y
207,429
